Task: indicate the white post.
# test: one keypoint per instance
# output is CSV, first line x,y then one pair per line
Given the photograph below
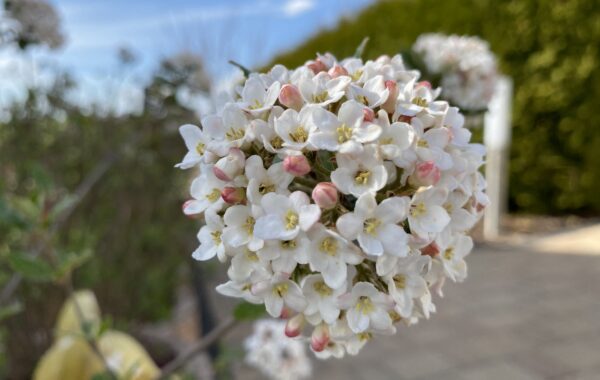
x,y
496,137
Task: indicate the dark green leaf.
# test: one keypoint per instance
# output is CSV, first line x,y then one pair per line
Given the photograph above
x,y
247,312
29,267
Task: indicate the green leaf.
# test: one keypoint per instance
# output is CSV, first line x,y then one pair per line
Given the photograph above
x,y
247,312
70,261
102,376
29,267
360,50
10,310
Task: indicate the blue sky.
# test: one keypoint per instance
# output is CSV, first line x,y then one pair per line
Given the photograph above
x,y
248,31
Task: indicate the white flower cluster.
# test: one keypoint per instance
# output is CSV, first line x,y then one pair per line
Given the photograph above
x,y
466,65
276,356
340,193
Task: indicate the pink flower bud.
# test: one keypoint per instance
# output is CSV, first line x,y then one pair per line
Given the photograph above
x,y
337,71
390,104
187,211
290,97
426,174
296,165
325,195
230,166
233,195
317,66
368,113
423,84
294,326
320,337
430,250
285,313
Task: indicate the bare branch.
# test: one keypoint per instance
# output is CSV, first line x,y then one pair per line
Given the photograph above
x,y
219,331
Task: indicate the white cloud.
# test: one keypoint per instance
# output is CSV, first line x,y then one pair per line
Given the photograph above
x,y
295,7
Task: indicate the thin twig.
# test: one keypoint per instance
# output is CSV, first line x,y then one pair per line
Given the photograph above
x,y
90,340
80,193
218,332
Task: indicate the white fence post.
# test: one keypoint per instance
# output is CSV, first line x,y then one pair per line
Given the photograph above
x,y
496,137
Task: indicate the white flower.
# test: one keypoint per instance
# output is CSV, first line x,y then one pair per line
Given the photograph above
x,y
243,289
372,94
346,132
426,214
239,230
244,264
430,147
285,255
375,226
209,236
257,98
395,138
329,253
367,308
196,141
229,130
322,90
297,128
261,181
280,291
453,249
406,283
360,174
286,216
206,193
322,299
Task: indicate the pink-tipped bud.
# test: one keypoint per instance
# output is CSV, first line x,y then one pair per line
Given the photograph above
x,y
337,71
368,113
317,66
426,174
285,313
430,250
390,104
230,166
319,338
290,97
294,326
296,165
188,210
325,195
233,195
423,84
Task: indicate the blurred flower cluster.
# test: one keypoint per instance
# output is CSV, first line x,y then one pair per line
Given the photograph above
x,y
339,193
276,356
30,22
466,65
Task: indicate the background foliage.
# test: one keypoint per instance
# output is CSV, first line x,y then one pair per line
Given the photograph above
x,y
551,49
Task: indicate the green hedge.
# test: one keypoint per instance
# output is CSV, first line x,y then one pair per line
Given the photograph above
x,y
549,48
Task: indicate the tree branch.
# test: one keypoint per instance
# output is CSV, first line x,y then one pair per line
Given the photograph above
x,y
219,332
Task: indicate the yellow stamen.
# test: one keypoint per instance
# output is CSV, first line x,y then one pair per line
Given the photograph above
x,y
213,195
291,220
288,244
362,99
364,305
299,135
266,188
400,281
251,256
234,134
362,177
249,225
344,133
280,289
322,288
320,98
277,142
418,209
422,143
329,246
216,237
449,253
371,225
200,148
255,105
363,336
356,75
421,102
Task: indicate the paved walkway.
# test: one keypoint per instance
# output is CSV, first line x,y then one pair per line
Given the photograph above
x,y
521,314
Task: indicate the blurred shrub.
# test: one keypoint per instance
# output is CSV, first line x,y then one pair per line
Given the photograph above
x,y
552,51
